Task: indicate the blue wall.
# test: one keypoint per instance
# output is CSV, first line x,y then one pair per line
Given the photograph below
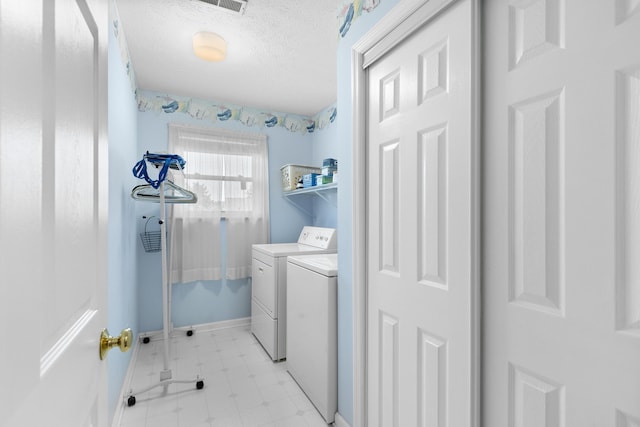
x,y
325,145
122,294
345,206
211,301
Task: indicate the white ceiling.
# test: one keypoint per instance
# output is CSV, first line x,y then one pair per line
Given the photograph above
x,y
281,54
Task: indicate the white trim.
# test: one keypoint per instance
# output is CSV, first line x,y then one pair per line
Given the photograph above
x,y
359,239
236,136
476,219
401,22
406,17
339,421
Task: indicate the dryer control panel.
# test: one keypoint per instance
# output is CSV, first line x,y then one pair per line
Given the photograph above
x,y
319,237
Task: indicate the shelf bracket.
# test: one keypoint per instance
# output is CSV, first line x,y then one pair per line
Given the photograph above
x,y
325,198
298,206
319,191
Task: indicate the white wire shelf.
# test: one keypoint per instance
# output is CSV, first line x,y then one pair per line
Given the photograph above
x,y
318,190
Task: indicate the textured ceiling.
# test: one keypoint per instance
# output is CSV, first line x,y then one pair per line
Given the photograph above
x,y
281,55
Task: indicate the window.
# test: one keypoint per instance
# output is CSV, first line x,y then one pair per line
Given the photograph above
x,y
228,172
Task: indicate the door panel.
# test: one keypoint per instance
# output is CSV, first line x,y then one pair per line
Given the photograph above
x,y
420,215
561,179
535,210
53,182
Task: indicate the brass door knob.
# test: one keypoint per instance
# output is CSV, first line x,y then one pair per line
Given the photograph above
x,y
107,342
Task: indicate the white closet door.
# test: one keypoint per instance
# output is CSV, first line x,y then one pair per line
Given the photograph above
x,y
53,218
562,214
420,244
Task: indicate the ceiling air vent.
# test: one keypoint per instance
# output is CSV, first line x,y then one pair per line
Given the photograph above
x,y
232,6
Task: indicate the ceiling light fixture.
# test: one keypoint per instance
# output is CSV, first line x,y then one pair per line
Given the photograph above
x,y
209,46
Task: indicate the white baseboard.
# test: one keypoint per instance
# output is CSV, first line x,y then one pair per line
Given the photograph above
x,y
339,421
156,336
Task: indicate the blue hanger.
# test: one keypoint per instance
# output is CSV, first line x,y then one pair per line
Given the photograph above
x,y
167,161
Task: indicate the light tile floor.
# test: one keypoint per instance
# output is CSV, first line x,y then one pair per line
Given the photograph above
x,y
242,386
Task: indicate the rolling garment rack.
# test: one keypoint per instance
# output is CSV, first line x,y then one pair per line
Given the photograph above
x,y
162,191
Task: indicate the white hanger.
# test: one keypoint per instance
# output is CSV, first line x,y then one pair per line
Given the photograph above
x,y
172,193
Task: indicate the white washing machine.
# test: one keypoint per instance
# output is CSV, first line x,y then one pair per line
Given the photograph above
x,y
312,329
269,284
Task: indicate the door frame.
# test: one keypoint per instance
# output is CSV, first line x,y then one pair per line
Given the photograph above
x,y
405,18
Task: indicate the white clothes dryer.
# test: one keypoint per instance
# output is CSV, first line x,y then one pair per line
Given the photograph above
x,y
312,329
269,284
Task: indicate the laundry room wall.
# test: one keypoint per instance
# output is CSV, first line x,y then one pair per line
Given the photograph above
x,y
122,293
325,144
289,141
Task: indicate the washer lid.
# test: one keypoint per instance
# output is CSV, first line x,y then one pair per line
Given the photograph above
x,y
325,264
284,249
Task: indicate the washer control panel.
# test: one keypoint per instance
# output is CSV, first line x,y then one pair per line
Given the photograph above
x,y
319,237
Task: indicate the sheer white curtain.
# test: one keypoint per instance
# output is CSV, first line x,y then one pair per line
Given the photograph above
x,y
229,173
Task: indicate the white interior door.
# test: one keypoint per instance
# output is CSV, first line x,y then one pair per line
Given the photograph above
x,y
562,219
53,196
420,204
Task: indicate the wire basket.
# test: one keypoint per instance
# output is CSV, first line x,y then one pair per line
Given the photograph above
x,y
151,240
